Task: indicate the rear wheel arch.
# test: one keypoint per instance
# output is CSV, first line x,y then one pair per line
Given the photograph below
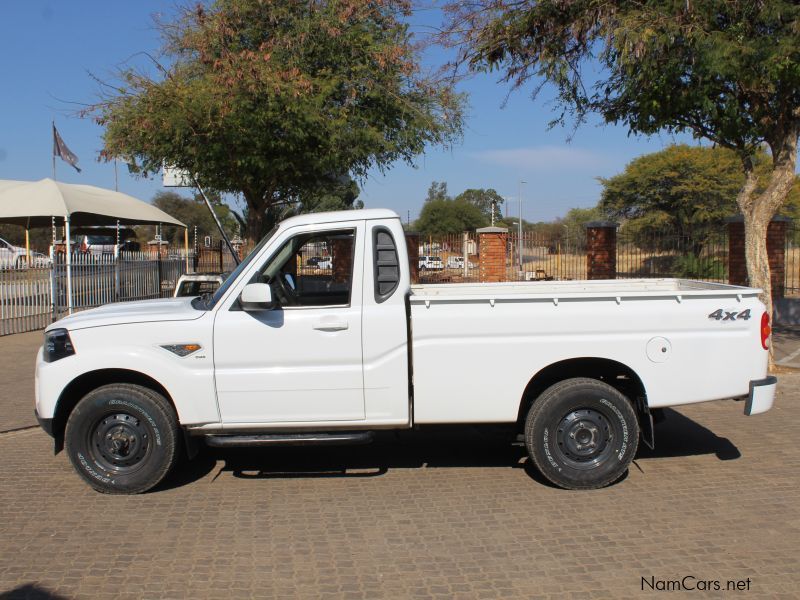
x,y
616,374
91,380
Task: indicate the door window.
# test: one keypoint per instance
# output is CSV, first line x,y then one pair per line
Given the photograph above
x,y
312,269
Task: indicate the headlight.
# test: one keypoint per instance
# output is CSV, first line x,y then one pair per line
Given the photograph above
x,y
57,345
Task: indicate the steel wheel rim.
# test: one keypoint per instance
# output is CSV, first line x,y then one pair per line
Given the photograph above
x,y
584,438
119,442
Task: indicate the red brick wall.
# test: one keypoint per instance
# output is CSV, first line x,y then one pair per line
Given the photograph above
x,y
776,251
601,251
412,244
342,250
492,249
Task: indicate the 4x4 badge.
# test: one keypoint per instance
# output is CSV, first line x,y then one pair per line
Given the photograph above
x,y
724,315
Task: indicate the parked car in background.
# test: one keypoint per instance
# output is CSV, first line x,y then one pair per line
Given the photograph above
x,y
11,256
197,284
99,241
430,263
40,261
457,262
320,262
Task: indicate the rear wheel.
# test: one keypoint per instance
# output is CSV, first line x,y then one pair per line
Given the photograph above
x,y
582,434
122,438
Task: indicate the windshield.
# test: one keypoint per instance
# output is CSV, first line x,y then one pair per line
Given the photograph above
x,y
211,301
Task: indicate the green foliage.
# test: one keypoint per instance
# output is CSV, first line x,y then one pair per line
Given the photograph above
x,y
443,215
690,266
683,190
574,222
485,199
726,71
437,191
193,212
275,99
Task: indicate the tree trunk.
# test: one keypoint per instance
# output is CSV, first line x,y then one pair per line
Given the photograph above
x,y
256,209
759,209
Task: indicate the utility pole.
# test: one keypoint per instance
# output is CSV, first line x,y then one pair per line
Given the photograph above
x,y
519,239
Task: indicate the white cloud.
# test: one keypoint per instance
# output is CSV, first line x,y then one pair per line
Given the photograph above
x,y
545,158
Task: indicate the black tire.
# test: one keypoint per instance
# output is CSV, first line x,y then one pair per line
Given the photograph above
x,y
122,438
21,263
581,434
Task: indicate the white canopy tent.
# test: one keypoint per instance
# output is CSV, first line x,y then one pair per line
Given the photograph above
x,y
36,203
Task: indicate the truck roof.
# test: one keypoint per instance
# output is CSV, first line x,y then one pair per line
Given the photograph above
x,y
340,215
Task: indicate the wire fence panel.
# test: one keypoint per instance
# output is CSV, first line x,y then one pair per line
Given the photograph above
x,y
665,254
792,264
540,257
25,299
31,298
449,258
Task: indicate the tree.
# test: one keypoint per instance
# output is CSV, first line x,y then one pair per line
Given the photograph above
x,y
273,99
442,215
574,223
437,191
486,201
686,190
194,213
728,72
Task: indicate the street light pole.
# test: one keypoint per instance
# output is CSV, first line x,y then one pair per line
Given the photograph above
x,y
519,238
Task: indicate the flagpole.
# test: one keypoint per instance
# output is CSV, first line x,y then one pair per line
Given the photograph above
x,y
54,150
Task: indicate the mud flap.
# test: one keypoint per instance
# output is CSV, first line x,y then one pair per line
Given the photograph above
x,y
646,426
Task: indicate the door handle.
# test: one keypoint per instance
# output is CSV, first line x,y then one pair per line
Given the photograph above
x,y
331,325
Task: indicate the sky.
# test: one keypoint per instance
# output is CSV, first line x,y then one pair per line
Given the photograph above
x,y
49,51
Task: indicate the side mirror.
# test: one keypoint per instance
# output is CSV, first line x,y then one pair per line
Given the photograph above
x,y
256,297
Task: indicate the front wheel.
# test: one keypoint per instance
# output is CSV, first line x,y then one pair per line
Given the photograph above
x,y
582,434
122,438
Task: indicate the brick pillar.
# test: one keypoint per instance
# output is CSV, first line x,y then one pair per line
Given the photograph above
x,y
776,252
342,258
412,246
492,250
601,250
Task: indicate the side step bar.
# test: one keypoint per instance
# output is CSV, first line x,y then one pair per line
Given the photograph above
x,y
289,439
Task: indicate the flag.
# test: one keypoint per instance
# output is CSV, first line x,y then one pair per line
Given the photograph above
x,y
60,149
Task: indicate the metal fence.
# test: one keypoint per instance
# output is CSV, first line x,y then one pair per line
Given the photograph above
x,y
538,257
32,298
792,257
665,254
449,258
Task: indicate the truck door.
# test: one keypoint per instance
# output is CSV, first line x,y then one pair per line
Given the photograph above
x,y
301,361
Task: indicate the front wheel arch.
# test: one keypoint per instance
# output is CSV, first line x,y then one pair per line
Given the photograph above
x,y
91,380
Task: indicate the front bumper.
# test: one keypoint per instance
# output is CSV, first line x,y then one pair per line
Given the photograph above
x,y
46,424
761,396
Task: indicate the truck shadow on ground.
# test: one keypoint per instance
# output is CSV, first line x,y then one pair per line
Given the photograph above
x,y
431,447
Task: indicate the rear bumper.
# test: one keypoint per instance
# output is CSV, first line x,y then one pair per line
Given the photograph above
x,y
761,396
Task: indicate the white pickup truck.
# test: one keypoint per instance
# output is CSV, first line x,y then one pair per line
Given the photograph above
x,y
281,354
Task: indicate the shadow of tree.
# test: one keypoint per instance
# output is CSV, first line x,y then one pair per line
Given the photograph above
x,y
30,591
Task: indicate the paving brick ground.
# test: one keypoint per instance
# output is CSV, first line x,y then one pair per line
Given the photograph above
x,y
451,513
17,357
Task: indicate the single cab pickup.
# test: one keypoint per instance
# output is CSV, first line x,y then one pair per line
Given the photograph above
x,y
284,353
